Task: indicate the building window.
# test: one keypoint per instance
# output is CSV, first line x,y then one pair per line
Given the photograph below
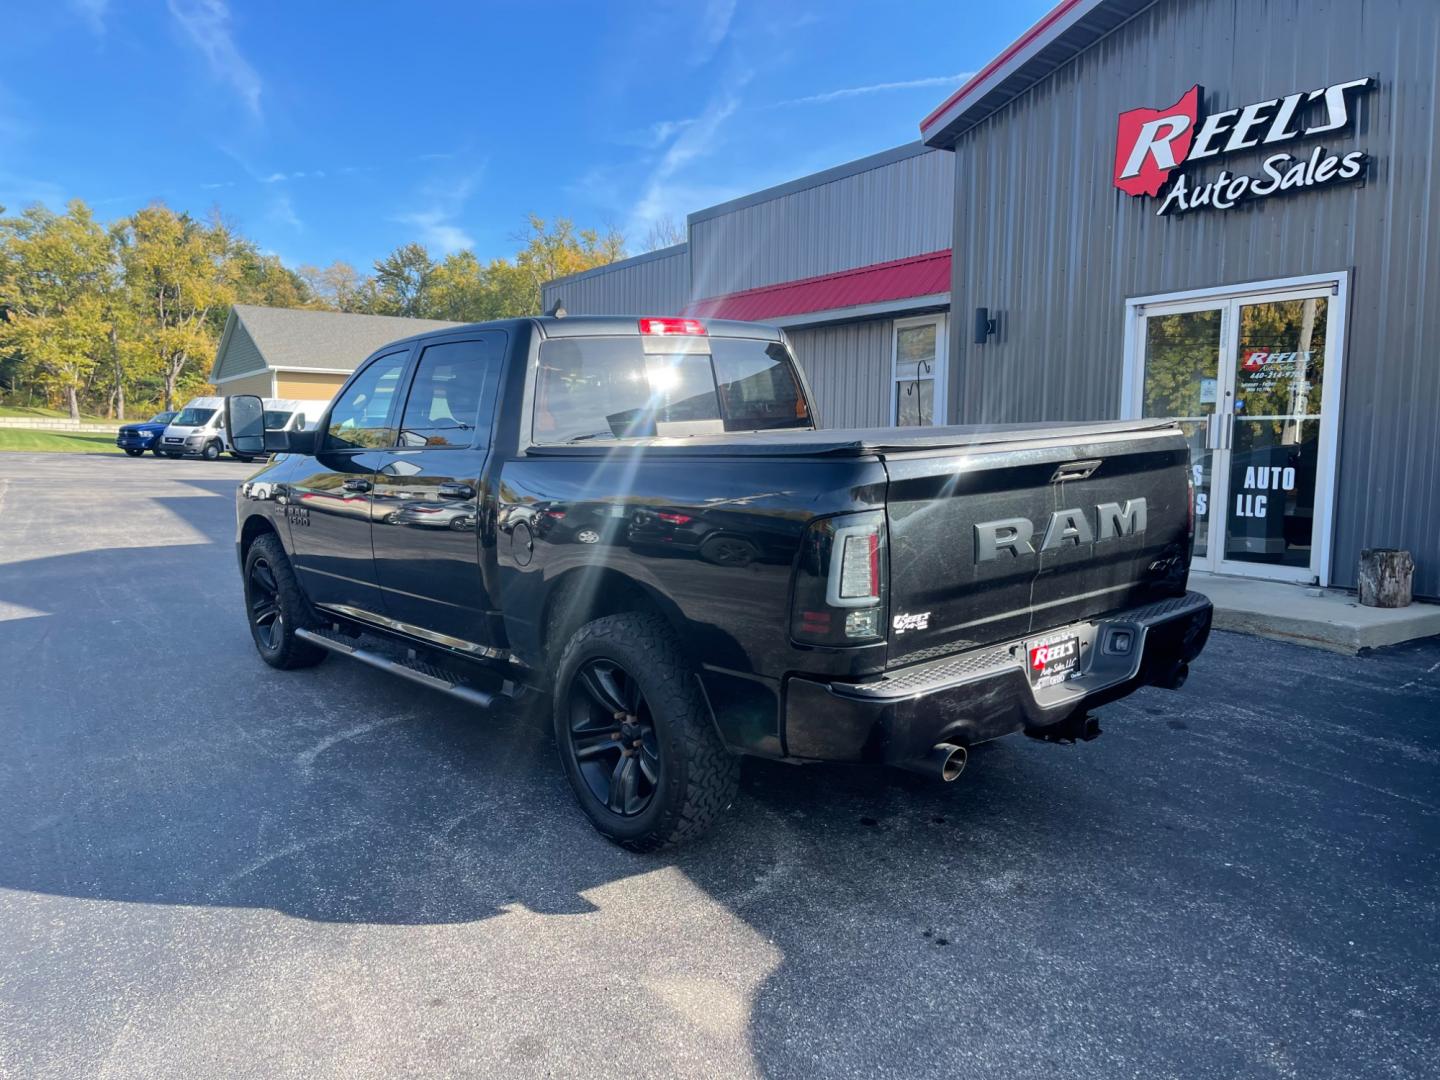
x,y
919,372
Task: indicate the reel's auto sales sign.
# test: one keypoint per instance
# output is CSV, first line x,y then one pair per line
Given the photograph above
x,y
1155,148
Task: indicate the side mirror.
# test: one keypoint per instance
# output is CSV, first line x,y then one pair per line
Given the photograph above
x,y
297,441
245,421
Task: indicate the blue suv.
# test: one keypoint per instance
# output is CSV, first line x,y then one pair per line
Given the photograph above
x,y
135,439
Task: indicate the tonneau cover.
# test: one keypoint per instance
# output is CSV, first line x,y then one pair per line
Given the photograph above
x,y
854,442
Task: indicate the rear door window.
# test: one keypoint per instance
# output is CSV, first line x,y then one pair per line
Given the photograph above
x,y
445,397
637,387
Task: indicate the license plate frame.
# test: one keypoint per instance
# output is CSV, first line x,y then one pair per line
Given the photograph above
x,y
1059,662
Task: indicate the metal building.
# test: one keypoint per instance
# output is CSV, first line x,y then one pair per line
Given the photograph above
x,y
1223,211
1226,211
854,262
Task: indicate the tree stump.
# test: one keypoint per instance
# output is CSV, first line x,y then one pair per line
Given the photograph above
x,y
1385,577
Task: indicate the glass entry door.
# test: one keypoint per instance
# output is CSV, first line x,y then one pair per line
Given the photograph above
x,y
1249,378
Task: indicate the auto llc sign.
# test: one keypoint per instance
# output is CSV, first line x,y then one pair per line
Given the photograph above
x,y
1165,149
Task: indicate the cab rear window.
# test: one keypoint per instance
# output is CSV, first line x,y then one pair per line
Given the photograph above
x,y
634,387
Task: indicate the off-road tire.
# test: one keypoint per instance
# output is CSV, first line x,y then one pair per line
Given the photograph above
x,y
287,652
698,776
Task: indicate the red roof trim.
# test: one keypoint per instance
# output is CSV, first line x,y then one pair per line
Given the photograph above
x,y
899,279
1056,13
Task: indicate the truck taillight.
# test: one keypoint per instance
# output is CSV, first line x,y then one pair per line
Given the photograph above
x,y
840,583
672,327
858,569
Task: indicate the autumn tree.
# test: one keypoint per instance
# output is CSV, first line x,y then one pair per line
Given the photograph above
x,y
57,281
177,276
558,249
338,286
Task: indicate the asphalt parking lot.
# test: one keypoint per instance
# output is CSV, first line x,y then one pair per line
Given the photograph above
x,y
211,868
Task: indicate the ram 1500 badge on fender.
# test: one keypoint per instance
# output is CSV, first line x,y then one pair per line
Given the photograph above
x,y
640,522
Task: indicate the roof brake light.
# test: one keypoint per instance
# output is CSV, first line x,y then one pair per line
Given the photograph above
x,y
673,327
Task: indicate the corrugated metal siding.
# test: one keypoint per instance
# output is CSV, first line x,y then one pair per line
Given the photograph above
x,y
1042,236
241,355
646,286
890,212
848,367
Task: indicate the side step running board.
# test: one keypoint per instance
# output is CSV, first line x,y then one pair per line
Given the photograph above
x,y
415,670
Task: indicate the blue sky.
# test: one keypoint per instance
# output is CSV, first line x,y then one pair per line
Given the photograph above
x,y
341,130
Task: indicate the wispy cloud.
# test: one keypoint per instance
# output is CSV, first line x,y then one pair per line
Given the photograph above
x,y
282,210
435,220
715,19
207,24
872,88
93,13
691,139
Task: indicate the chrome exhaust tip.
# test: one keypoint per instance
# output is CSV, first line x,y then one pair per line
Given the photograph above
x,y
945,761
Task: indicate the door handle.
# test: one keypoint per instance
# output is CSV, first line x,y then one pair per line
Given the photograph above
x,y
357,485
456,491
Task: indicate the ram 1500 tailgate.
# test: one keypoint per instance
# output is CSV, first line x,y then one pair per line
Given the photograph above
x,y
1017,531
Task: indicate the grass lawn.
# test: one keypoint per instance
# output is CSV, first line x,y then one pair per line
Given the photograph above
x,y
67,442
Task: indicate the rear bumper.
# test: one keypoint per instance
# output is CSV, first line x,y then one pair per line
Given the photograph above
x,y
975,696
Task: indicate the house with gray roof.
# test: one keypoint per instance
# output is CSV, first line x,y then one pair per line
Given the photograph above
x,y
303,354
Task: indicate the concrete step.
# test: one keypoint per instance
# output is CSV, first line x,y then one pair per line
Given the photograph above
x,y
1323,618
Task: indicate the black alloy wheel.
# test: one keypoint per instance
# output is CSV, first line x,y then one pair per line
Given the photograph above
x,y
262,596
612,739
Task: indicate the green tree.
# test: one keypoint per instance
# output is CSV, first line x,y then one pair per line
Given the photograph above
x,y
180,280
56,283
402,281
264,279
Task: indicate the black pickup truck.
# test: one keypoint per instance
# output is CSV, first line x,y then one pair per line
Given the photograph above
x,y
641,520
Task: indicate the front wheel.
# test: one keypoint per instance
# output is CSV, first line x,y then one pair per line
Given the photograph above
x,y
211,451
132,452
276,608
635,738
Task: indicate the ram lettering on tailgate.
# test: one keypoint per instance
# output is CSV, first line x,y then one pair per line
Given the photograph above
x,y
1112,521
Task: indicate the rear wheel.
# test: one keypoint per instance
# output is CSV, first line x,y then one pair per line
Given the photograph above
x,y
276,608
133,452
635,738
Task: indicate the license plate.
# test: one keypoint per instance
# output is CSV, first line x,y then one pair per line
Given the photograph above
x,y
1053,660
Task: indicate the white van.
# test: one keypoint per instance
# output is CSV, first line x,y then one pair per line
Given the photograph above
x,y
198,430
